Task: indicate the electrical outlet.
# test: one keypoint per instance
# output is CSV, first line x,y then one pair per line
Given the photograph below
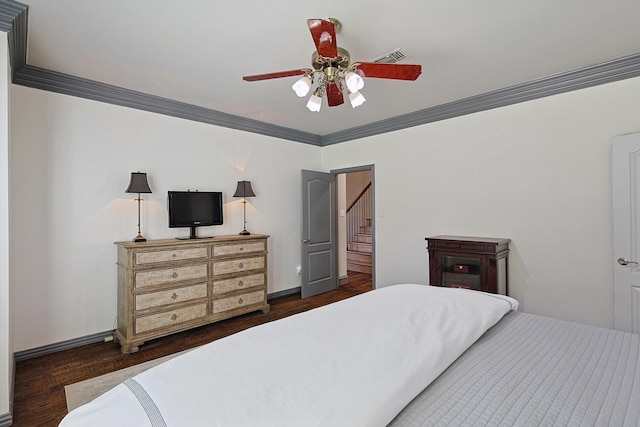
x,y
299,270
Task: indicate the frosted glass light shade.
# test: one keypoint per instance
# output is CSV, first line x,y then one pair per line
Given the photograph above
x,y
314,104
356,99
302,86
353,81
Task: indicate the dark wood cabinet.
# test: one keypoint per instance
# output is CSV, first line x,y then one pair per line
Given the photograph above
x,y
478,263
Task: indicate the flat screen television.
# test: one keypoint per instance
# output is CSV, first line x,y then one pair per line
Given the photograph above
x,y
194,209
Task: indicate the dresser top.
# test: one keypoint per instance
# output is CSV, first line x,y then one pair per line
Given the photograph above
x,y
184,242
494,240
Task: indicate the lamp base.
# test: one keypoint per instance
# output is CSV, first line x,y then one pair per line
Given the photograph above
x,y
244,233
139,238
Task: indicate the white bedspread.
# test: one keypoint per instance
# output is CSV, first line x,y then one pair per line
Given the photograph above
x,y
356,362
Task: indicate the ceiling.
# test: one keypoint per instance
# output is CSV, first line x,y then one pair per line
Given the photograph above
x,y
196,51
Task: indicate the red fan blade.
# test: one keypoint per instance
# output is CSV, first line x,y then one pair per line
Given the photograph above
x,y
276,75
390,71
324,36
334,96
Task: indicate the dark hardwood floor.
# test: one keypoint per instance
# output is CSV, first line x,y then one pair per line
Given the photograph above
x,y
39,398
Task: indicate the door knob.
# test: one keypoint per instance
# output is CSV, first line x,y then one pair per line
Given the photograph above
x,y
624,261
306,241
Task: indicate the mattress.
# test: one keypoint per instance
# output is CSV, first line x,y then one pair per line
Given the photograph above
x,y
531,370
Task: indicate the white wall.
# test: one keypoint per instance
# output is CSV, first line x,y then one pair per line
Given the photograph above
x,y
6,350
70,165
356,182
536,172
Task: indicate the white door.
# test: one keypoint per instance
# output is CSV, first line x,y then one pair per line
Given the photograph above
x,y
626,232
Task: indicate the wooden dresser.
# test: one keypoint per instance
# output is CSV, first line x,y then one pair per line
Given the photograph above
x,y
170,285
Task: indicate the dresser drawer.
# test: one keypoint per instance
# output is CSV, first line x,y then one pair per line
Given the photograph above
x,y
239,249
225,304
462,246
161,276
169,318
243,282
170,296
238,265
152,257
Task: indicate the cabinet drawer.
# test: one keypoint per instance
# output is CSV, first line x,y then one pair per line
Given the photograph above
x,y
463,246
170,296
230,303
239,249
243,282
173,317
143,258
238,265
170,275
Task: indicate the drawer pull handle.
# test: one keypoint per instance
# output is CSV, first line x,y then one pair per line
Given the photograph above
x,y
240,301
240,283
174,296
241,248
174,317
241,265
174,275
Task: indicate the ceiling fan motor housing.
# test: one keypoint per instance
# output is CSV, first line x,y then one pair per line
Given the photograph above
x,y
319,63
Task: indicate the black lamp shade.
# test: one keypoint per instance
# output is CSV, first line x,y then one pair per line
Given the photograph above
x,y
139,183
244,189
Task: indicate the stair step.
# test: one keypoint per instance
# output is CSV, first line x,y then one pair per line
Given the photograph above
x,y
367,222
366,229
359,268
359,247
359,257
364,238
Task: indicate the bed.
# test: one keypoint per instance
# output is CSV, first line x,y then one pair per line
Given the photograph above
x,y
404,355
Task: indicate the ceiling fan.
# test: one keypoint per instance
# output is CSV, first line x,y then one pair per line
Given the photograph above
x,y
332,71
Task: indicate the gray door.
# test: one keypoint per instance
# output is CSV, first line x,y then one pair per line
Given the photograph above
x,y
319,233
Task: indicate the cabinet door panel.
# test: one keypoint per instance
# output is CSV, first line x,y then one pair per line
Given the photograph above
x,y
230,303
152,257
238,265
242,282
239,249
170,296
169,318
170,275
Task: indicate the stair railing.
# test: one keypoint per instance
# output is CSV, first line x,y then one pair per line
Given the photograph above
x,y
358,213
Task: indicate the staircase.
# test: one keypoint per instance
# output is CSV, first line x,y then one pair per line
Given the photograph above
x,y
359,250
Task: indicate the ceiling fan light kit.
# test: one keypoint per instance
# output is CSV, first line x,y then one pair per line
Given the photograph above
x,y
332,72
353,81
315,102
356,99
303,86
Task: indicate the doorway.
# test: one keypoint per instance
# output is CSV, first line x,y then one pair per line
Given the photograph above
x,y
325,241
356,222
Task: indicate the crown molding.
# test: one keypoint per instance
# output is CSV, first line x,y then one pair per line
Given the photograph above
x,y
606,72
66,84
14,20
